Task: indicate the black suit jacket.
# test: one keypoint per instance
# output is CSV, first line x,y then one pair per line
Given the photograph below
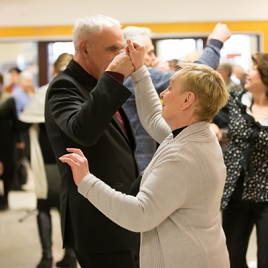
x,y
80,113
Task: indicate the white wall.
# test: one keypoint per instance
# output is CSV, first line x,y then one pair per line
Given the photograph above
x,y
65,12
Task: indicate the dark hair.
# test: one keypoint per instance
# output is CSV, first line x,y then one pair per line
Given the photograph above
x,y
261,61
16,69
1,79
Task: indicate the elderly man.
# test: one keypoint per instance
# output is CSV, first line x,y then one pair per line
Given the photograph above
x,y
83,110
177,208
146,146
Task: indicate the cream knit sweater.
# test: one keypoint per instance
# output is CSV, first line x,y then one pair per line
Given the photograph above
x,y
177,209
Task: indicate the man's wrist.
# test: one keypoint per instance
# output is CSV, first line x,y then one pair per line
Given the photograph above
x,y
118,76
216,43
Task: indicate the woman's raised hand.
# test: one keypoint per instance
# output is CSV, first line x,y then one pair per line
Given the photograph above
x,y
136,52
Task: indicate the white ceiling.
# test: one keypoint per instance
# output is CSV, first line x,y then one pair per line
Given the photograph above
x,y
65,12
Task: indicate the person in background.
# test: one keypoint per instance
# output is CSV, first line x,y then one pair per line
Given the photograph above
x,y
240,74
9,140
1,168
172,64
225,69
45,170
23,92
193,56
245,196
162,64
83,109
22,95
221,121
146,146
177,208
14,79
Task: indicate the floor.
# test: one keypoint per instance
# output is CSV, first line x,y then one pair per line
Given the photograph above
x,y
19,241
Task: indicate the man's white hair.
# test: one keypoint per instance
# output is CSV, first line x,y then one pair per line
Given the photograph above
x,y
88,28
136,33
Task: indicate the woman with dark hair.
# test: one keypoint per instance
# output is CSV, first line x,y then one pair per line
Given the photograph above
x,y
245,198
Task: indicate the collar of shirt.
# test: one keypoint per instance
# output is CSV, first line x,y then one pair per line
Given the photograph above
x,y
177,131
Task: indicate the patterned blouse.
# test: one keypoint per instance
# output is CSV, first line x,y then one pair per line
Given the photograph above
x,y
247,150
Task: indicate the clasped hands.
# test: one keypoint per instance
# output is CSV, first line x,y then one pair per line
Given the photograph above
x,y
128,61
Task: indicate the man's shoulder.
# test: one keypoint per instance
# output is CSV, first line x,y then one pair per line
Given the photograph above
x,y
62,80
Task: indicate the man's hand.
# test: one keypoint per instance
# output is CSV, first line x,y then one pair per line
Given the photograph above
x,y
217,131
121,64
20,145
1,168
136,52
78,163
220,32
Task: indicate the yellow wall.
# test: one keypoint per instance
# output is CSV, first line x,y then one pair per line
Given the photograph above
x,y
260,27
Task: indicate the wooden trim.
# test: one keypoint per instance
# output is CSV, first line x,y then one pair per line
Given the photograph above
x,y
42,63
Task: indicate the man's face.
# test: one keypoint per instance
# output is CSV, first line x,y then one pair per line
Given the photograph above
x,y
149,58
106,46
225,74
14,77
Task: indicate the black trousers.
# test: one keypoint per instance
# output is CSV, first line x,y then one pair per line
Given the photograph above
x,y
122,259
239,218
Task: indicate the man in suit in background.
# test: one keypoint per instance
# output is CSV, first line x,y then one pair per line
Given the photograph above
x,y
83,110
146,146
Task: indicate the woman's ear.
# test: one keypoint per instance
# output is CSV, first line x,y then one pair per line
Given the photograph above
x,y
189,99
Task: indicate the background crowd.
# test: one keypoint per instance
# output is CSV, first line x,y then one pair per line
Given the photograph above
x,y
240,127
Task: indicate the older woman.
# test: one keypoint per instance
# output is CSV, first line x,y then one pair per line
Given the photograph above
x,y
177,208
245,198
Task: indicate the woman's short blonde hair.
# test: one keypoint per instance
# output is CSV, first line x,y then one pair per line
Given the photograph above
x,y
61,62
207,85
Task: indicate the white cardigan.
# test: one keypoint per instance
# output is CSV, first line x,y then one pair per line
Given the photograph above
x,y
177,209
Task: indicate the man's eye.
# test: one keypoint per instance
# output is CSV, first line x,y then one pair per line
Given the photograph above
x,y
113,49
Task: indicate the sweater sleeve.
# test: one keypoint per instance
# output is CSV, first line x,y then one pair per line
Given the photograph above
x,y
162,192
148,105
211,54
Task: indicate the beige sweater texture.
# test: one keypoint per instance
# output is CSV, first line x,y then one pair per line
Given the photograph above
x,y
177,210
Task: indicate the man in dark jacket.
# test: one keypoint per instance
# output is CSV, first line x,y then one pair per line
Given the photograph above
x,y
83,110
146,146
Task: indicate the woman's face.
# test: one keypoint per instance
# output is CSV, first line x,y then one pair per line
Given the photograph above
x,y
253,79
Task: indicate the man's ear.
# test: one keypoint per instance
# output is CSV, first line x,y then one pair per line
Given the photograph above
x,y
83,48
189,99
